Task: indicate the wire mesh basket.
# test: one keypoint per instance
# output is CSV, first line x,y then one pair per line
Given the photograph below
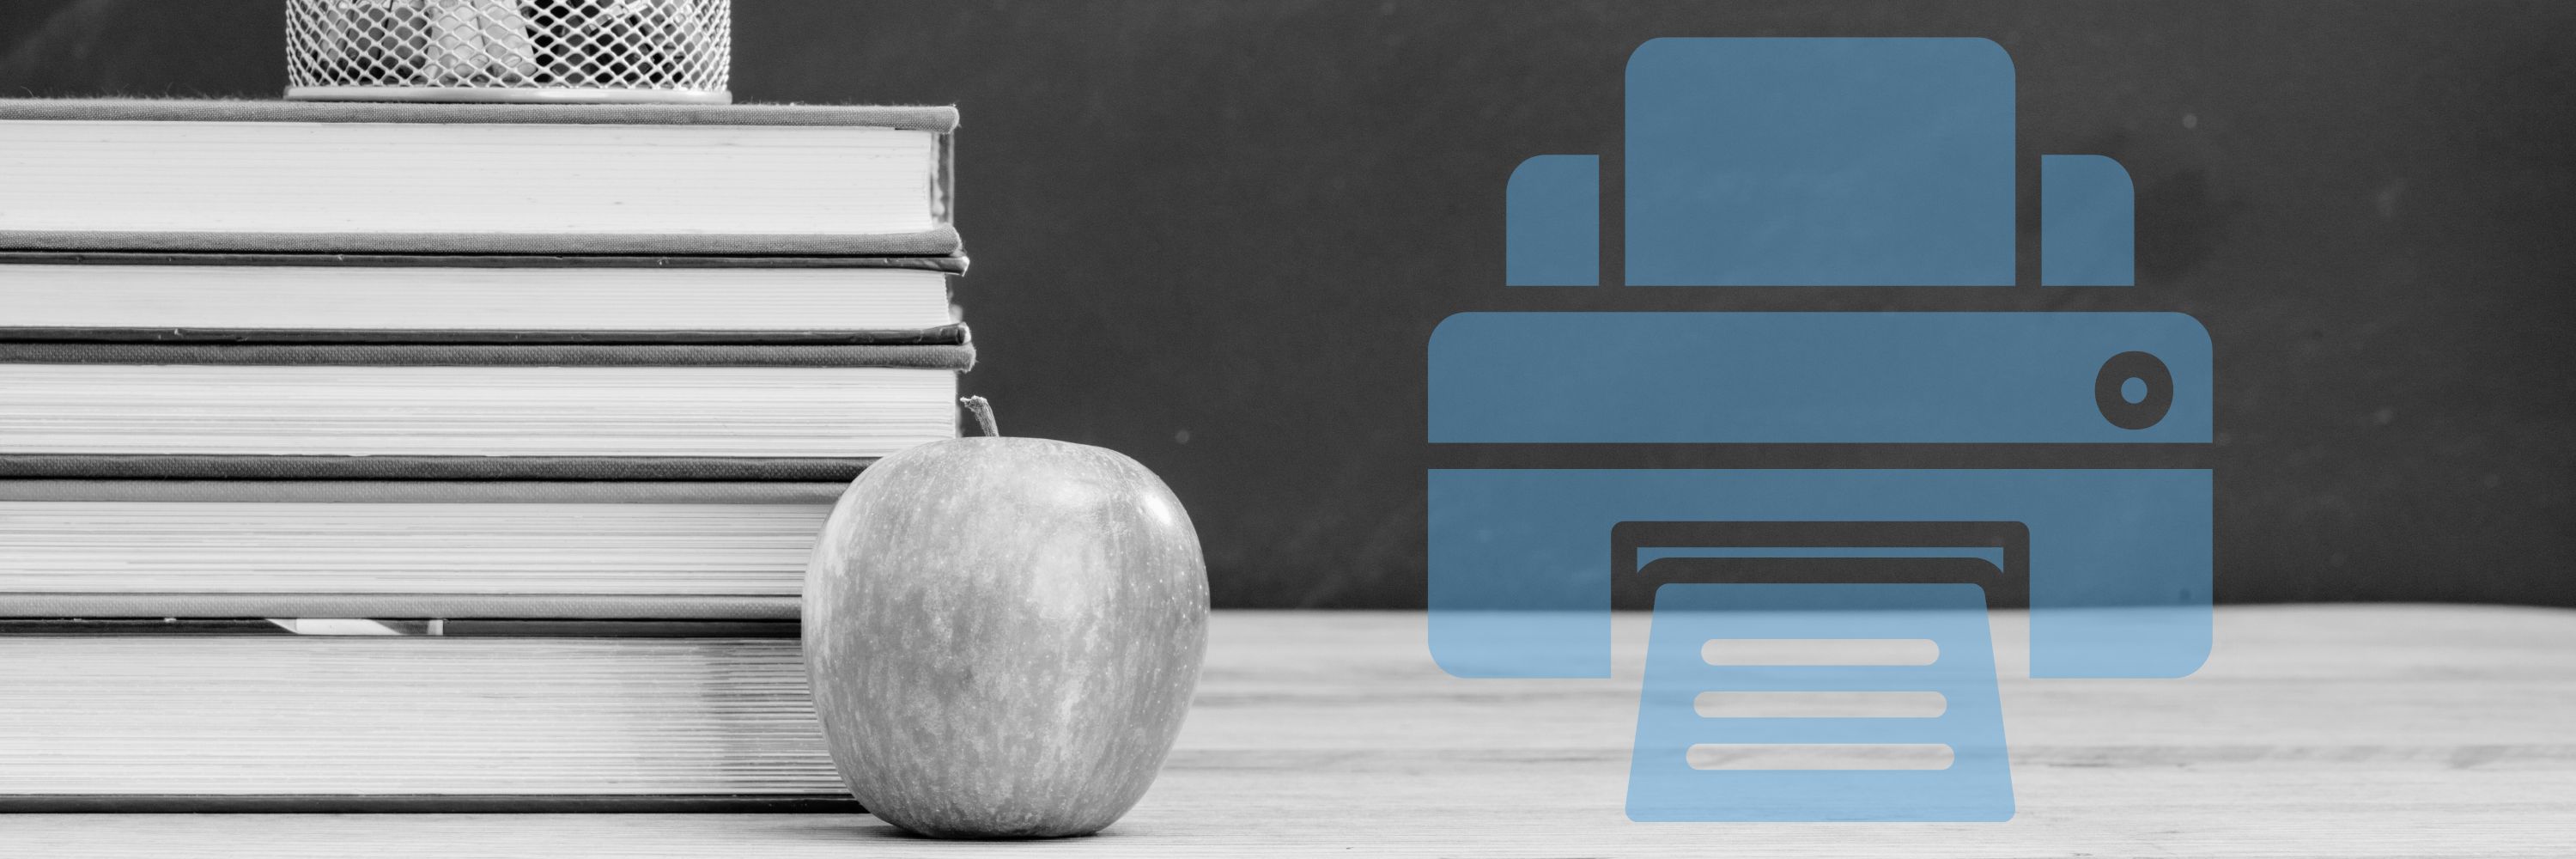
x,y
618,51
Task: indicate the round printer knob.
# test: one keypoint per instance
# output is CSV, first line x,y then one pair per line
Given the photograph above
x,y
2134,390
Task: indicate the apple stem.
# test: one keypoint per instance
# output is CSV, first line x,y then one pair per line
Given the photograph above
x,y
983,412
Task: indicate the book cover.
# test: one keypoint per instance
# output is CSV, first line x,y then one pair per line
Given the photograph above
x,y
475,299
952,356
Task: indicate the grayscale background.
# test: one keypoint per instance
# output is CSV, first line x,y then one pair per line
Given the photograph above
x,y
1215,235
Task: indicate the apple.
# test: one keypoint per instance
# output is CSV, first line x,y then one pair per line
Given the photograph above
x,y
1003,635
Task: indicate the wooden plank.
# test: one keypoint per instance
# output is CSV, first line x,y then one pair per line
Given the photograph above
x,y
2314,731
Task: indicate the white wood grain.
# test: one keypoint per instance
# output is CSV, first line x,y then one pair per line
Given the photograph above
x,y
2313,731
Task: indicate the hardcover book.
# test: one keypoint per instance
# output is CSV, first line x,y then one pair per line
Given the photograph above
x,y
183,716
406,549
128,399
183,175
344,298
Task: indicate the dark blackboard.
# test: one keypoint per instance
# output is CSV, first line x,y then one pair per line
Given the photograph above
x,y
1216,235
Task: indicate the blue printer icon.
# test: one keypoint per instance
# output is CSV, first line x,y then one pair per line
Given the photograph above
x,y
1819,162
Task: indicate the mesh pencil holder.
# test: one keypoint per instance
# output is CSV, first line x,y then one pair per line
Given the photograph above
x,y
607,51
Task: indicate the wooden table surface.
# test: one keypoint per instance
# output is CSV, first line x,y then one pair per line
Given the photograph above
x,y
2376,730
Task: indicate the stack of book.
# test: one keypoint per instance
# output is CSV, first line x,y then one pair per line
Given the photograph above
x,y
369,456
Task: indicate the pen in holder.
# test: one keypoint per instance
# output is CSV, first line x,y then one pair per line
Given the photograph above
x,y
602,51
